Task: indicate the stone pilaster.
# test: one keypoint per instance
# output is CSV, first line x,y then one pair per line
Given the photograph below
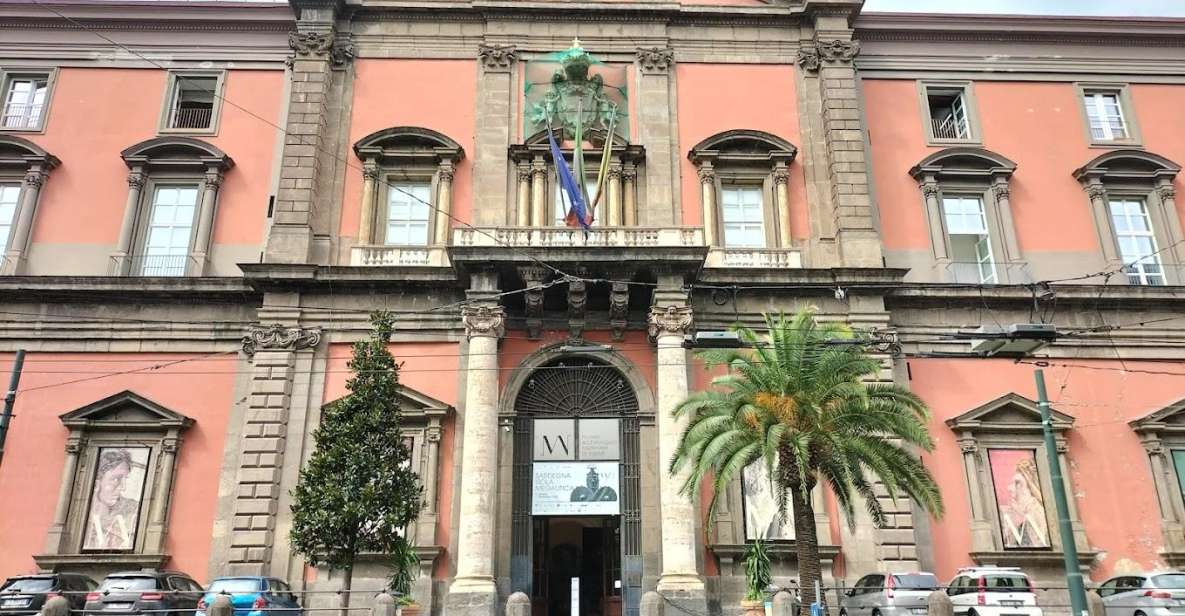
x,y
261,453
496,98
473,591
680,581
655,77
316,50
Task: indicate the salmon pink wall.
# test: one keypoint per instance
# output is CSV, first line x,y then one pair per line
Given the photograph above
x,y
714,98
1109,469
636,348
96,113
1039,126
436,94
34,455
430,368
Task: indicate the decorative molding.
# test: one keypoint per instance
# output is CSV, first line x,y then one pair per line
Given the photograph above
x,y
170,445
310,43
669,320
136,179
808,59
487,321
968,445
446,171
370,170
577,308
34,179
838,51
930,189
343,51
1001,192
497,57
278,337
707,175
1096,191
1166,192
533,276
619,308
655,59
781,176
213,180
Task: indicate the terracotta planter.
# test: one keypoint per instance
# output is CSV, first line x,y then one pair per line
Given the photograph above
x,y
411,610
753,608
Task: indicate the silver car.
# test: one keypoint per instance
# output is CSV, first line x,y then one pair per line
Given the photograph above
x,y
1160,593
889,594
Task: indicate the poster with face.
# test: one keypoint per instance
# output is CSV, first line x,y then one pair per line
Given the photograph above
x,y
761,506
1179,464
116,495
1023,523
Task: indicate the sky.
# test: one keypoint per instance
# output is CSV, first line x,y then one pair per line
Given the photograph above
x,y
1111,8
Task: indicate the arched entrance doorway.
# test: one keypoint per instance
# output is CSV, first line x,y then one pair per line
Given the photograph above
x,y
576,538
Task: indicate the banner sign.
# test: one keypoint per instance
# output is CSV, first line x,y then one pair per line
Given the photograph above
x,y
575,488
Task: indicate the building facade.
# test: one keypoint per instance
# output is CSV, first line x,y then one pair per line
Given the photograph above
x,y
201,202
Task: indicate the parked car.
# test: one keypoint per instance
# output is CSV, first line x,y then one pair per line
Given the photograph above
x,y
136,592
1160,593
892,594
252,596
993,591
26,594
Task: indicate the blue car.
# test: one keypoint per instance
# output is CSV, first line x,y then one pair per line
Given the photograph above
x,y
252,596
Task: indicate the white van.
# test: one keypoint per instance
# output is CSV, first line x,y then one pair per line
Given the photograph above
x,y
993,591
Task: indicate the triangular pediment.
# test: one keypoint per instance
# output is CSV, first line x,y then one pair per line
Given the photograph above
x,y
126,410
1168,419
416,404
1008,413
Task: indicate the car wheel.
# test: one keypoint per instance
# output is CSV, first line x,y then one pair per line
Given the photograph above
x,y
843,612
1140,614
971,613
876,613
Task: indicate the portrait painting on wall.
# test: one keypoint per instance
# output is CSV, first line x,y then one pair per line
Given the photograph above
x,y
1023,520
1179,464
762,520
116,496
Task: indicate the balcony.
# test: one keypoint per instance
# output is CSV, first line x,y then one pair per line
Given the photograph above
x,y
155,265
192,117
568,237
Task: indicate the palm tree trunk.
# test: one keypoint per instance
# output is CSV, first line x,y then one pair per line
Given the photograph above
x,y
806,544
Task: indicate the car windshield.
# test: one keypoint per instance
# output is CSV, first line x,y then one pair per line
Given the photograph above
x,y
915,581
28,585
1005,583
234,585
129,583
1174,581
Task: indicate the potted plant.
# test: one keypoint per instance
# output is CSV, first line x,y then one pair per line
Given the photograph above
x,y
757,579
405,566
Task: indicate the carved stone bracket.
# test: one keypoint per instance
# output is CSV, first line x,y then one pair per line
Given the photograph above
x,y
342,52
808,59
838,51
497,57
669,320
339,51
619,308
577,307
487,321
278,337
656,59
533,277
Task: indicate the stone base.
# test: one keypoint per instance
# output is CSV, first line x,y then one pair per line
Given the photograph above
x,y
684,602
480,603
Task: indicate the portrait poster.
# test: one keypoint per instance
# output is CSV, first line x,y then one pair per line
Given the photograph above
x,y
762,520
575,488
1179,464
1019,501
116,496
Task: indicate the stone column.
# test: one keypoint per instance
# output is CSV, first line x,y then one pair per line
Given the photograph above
x,y
444,201
57,530
613,196
473,592
19,242
370,176
201,243
629,200
496,104
273,350
782,200
670,319
707,184
1172,222
1003,195
981,531
155,538
934,218
523,204
655,122
1071,501
1102,220
539,209
127,229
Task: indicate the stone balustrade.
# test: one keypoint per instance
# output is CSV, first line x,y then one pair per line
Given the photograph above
x,y
374,256
754,257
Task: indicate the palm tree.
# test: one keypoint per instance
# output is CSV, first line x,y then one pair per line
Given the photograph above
x,y
798,403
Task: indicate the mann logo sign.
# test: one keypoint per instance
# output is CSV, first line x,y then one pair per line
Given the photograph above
x,y
559,440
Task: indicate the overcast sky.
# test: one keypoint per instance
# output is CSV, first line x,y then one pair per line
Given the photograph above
x,y
1141,8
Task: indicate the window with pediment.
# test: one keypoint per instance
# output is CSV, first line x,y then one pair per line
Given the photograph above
x,y
24,168
1009,483
1163,435
117,484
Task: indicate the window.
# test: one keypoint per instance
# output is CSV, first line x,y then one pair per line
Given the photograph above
x,y
24,101
1137,242
1105,116
191,103
970,242
948,112
561,201
408,213
742,216
170,227
9,199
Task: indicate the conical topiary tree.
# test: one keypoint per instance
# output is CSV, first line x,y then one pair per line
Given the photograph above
x,y
357,492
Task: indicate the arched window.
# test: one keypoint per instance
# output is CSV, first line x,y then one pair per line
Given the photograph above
x,y
172,196
1133,202
969,213
407,184
744,181
24,167
537,197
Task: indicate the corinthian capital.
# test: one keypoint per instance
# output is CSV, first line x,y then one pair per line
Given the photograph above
x,y
310,43
669,320
838,51
656,59
277,337
488,321
497,57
